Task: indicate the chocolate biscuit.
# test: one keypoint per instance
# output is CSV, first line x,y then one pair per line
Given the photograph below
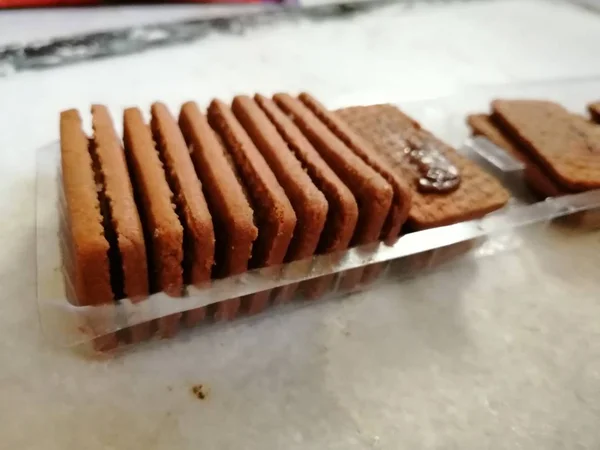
x,y
402,197
388,130
129,270
232,215
398,212
274,214
372,193
343,210
191,207
163,231
565,145
308,201
89,267
535,176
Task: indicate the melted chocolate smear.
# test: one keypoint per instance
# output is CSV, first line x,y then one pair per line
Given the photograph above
x,y
438,174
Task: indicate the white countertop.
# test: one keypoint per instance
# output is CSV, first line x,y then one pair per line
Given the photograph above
x,y
507,357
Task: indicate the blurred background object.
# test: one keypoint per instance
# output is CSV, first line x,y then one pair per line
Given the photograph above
x,y
124,29
47,3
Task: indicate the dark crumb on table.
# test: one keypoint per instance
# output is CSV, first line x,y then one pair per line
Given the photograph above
x,y
199,391
170,388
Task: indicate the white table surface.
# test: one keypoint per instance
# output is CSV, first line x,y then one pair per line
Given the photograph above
x,y
500,354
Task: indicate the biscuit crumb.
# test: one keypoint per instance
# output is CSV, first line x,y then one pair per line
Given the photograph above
x,y
199,391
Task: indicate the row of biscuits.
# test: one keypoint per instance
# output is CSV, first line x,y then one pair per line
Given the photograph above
x,y
258,183
558,148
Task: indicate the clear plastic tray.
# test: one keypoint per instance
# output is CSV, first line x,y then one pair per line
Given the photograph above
x,y
68,325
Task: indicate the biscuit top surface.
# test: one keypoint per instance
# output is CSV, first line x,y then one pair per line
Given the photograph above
x,y
150,175
116,177
304,149
181,169
261,181
387,129
364,177
566,144
293,178
341,202
217,171
362,147
80,185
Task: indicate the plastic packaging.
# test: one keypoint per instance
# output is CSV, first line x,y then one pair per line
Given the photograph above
x,y
68,325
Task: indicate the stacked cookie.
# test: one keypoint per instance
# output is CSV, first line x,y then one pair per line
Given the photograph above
x,y
257,183
559,149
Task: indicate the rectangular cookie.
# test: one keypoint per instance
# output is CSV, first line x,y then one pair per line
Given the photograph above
x,y
191,207
308,201
535,176
274,214
88,247
343,210
389,131
566,146
232,215
401,201
402,197
594,109
372,192
162,229
124,229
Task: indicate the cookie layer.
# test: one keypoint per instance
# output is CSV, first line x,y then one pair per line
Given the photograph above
x,y
372,193
88,248
343,209
232,214
309,203
125,220
565,145
388,129
163,231
401,201
191,207
273,212
536,177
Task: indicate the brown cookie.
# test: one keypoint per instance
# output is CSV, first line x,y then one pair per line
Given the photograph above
x,y
308,201
87,248
567,146
231,212
163,231
398,212
274,214
343,210
402,197
535,176
594,109
191,207
371,191
374,195
388,129
129,269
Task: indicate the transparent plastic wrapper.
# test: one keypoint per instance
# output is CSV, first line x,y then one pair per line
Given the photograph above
x,y
68,325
